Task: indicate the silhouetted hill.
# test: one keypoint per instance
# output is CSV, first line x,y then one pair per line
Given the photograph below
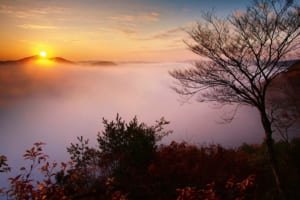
x,y
291,75
294,70
61,60
28,59
98,63
102,63
31,59
284,90
20,61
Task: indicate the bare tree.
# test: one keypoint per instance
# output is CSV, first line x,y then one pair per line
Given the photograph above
x,y
245,53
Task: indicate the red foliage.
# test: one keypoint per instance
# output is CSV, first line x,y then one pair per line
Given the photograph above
x,y
176,171
23,186
180,164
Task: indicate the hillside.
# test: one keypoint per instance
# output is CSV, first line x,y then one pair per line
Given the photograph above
x,y
32,59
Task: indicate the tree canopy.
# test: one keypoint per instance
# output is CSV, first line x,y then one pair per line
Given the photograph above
x,y
244,51
244,54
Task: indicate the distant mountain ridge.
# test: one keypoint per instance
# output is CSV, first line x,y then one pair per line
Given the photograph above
x,y
59,60
34,58
98,63
26,59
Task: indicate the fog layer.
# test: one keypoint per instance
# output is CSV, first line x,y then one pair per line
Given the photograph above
x,y
55,104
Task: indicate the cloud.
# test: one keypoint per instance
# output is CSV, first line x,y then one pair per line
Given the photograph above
x,y
37,27
136,33
175,35
29,12
4,9
129,31
145,17
172,33
20,81
169,38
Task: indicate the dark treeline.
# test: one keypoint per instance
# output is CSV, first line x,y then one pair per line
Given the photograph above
x,y
128,163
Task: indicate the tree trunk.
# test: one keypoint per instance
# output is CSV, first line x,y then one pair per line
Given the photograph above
x,y
272,155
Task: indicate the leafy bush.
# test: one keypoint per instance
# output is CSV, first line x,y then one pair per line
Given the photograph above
x,y
128,164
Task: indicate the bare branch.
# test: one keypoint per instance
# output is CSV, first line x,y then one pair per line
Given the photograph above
x,y
246,52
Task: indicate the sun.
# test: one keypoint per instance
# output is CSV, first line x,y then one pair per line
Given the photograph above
x,y
43,54
42,60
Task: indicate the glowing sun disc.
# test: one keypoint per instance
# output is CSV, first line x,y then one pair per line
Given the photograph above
x,y
43,54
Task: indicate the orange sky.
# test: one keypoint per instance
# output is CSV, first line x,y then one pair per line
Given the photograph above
x,y
128,30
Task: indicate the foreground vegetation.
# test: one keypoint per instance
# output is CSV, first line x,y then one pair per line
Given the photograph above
x,y
129,164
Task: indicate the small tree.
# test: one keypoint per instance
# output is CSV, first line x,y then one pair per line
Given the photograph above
x,y
244,55
129,145
119,163
126,151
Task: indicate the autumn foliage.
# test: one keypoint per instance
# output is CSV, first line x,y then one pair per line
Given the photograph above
x,y
129,164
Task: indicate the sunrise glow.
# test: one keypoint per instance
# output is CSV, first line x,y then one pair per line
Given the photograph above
x,y
115,31
149,99
44,62
43,54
